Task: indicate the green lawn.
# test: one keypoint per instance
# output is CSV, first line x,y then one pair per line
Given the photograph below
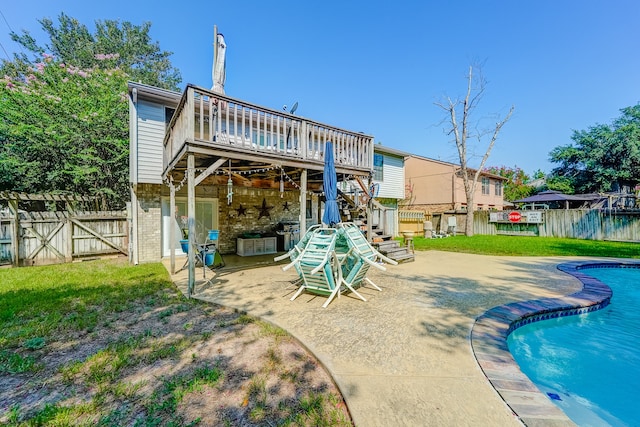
x,y
107,343
529,246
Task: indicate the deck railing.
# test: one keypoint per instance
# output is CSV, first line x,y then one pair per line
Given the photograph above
x,y
206,117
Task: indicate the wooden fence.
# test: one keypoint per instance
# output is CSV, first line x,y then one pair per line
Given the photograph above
x,y
413,220
591,224
61,236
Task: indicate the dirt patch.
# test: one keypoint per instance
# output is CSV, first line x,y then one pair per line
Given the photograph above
x,y
166,360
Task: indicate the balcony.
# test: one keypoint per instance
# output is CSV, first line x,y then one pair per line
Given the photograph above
x,y
212,125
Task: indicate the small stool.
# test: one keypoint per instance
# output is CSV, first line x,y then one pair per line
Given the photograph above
x,y
408,242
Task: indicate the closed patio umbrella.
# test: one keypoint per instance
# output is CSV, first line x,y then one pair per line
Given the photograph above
x,y
219,65
331,213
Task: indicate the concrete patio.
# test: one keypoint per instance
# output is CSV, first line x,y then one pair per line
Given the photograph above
x,y
404,356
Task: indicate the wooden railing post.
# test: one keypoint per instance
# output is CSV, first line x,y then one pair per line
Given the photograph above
x,y
303,140
190,115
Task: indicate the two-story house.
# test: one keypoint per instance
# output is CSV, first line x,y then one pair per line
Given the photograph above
x,y
437,186
205,161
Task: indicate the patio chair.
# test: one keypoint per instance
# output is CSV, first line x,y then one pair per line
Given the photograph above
x,y
293,253
353,272
359,247
318,265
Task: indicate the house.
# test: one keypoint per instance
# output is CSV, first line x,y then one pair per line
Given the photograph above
x,y
437,186
389,176
205,161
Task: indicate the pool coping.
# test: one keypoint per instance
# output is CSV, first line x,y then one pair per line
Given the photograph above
x,y
491,329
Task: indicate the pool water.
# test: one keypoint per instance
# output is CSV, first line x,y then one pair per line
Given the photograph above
x,y
589,365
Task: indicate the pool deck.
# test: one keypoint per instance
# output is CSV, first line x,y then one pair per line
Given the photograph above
x,y
405,357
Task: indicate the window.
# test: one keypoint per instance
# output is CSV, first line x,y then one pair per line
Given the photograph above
x,y
485,185
168,113
498,188
378,166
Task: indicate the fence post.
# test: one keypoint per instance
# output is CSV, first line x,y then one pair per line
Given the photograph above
x,y
15,233
68,253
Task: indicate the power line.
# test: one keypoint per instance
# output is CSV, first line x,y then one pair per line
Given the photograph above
x,y
11,30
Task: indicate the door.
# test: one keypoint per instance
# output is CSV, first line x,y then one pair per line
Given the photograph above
x,y
206,219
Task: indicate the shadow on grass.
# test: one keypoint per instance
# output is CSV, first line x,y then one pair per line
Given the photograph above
x,y
152,358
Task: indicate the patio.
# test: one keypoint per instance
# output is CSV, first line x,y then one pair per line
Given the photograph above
x,y
404,356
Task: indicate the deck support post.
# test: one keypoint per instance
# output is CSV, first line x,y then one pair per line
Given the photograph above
x,y
303,202
370,212
191,222
172,225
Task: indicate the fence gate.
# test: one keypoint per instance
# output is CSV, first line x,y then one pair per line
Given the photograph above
x,y
49,237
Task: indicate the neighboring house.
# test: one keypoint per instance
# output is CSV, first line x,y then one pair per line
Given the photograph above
x,y
437,186
243,168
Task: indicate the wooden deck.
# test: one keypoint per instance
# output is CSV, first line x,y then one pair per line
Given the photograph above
x,y
212,125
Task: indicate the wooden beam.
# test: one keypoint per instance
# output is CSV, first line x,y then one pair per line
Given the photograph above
x,y
303,202
172,228
211,169
98,236
44,241
45,197
191,222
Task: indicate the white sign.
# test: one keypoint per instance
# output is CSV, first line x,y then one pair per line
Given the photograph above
x,y
526,217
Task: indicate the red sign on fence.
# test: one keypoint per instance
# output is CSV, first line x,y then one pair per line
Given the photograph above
x,y
515,216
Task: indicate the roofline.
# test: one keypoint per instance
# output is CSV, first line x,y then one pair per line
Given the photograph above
x,y
153,92
458,167
388,150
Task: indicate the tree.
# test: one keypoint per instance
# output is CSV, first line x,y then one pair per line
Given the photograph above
x,y
115,44
65,129
603,157
463,131
516,187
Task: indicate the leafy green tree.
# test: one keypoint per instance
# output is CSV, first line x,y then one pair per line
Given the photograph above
x,y
605,157
64,128
516,187
114,44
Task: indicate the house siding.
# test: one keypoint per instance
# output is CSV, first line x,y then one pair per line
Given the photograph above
x,y
436,187
392,185
151,130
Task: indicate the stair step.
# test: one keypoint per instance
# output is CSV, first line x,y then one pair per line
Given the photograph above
x,y
386,245
396,252
408,257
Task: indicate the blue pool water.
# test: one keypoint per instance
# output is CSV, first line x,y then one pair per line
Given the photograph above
x,y
589,365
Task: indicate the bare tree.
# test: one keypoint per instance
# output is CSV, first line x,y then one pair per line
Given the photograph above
x,y
462,133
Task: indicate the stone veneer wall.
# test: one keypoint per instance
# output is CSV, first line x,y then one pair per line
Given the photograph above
x,y
231,222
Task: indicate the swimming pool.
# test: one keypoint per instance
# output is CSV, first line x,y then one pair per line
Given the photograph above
x,y
589,364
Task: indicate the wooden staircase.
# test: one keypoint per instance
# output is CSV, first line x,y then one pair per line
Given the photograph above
x,y
384,243
389,247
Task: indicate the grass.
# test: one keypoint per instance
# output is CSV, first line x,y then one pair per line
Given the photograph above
x,y
529,246
40,302
106,343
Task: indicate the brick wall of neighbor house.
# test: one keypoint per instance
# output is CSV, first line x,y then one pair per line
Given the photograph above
x,y
149,222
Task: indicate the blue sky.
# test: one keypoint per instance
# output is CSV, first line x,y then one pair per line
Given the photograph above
x,y
379,67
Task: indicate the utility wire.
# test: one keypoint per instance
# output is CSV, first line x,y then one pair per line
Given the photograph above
x,y
10,30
